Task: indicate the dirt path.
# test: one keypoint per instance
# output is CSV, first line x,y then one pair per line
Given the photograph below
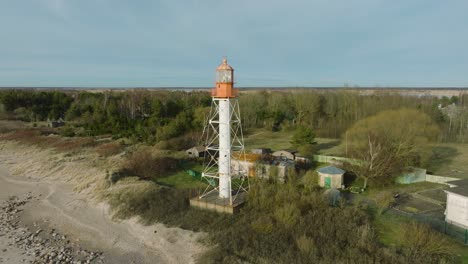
x,y
89,225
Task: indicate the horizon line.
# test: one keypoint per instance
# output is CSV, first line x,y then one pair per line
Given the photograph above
x,y
241,87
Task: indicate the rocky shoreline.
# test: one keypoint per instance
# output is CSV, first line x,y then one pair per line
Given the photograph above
x,y
37,245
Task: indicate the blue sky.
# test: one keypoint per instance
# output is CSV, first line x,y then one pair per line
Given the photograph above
x,y
149,43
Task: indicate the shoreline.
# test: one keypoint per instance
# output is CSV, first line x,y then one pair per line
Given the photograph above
x,y
87,223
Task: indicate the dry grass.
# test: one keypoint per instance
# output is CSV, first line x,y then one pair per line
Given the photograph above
x,y
109,149
81,169
35,137
9,125
146,166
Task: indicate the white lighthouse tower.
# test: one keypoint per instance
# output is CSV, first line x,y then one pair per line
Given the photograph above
x,y
224,140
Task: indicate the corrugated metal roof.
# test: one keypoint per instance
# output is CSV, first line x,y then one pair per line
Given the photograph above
x,y
331,170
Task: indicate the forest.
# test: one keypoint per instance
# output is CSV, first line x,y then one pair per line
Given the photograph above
x,y
154,116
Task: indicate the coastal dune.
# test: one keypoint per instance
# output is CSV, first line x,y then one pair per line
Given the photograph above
x,y
67,188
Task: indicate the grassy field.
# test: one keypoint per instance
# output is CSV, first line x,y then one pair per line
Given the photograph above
x,y
450,160
330,147
262,138
390,229
182,180
402,188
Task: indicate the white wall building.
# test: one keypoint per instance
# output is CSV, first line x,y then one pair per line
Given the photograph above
x,y
457,205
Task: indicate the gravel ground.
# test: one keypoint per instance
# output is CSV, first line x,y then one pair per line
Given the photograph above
x,y
20,244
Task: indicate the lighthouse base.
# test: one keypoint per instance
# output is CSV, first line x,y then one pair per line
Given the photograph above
x,y
215,203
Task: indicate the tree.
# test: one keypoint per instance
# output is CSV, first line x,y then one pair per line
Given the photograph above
x,y
304,140
385,144
303,135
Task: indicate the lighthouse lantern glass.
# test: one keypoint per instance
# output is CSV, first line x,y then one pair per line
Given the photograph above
x,y
224,76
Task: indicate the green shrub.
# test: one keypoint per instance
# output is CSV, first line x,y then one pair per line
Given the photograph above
x,y
425,244
67,131
310,179
180,143
281,223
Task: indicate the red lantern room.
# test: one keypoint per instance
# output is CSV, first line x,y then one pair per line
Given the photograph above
x,y
224,81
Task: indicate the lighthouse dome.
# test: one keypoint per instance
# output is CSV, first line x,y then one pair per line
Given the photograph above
x,y
224,66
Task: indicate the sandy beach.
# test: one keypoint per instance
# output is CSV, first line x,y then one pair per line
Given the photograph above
x,y
85,222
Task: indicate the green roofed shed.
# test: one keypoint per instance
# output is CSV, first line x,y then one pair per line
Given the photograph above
x,y
331,177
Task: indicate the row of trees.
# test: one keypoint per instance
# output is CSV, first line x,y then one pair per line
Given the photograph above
x,y
330,113
138,114
152,116
31,105
146,116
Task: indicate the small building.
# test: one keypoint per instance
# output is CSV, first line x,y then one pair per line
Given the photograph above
x,y
331,177
261,151
302,160
276,169
244,163
456,212
196,152
55,123
285,154
254,165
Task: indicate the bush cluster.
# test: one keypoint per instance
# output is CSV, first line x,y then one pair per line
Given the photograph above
x,y
148,167
281,223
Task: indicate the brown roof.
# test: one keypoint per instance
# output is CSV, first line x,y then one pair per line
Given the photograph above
x,y
250,157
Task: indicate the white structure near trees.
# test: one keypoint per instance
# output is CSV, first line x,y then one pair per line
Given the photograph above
x,y
223,137
331,177
287,154
196,152
457,203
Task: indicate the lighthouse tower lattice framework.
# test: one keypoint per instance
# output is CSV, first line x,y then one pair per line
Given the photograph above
x,y
224,140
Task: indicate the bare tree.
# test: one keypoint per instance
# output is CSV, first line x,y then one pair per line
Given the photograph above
x,y
387,143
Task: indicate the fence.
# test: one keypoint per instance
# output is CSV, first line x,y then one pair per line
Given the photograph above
x,y
332,159
415,175
437,223
439,179
412,176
